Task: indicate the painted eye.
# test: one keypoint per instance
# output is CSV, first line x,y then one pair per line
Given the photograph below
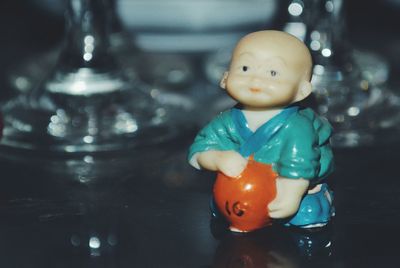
x,y
245,68
273,73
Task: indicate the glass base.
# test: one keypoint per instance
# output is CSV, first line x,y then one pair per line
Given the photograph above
x,y
373,67
87,111
361,109
106,168
351,138
365,137
106,121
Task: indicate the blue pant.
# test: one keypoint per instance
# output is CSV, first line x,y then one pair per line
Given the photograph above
x,y
315,209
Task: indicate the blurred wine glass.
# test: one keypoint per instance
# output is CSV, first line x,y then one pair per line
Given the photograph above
x,y
350,85
88,103
178,48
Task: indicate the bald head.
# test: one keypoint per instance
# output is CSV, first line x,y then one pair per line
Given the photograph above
x,y
277,43
269,69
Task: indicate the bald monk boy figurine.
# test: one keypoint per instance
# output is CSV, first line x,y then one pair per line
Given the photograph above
x,y
269,74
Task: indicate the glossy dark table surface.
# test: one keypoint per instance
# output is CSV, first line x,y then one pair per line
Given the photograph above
x,y
156,214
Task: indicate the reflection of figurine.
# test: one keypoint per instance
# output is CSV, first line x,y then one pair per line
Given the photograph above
x,y
275,247
312,245
270,248
269,73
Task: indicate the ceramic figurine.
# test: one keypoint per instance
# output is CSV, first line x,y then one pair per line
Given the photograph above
x,y
272,155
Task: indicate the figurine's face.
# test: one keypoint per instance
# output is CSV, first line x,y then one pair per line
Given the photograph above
x,y
266,74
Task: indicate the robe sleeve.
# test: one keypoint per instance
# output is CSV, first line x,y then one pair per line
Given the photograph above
x,y
300,153
220,134
306,152
324,130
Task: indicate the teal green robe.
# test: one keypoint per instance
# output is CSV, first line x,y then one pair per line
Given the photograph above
x,y
300,149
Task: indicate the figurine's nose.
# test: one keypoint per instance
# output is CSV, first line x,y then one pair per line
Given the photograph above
x,y
256,82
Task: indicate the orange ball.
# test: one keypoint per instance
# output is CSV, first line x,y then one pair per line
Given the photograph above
x,y
244,201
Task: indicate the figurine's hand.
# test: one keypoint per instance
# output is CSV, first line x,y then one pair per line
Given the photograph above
x,y
289,193
231,163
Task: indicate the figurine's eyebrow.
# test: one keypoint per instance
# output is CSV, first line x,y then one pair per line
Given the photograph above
x,y
278,59
274,59
245,55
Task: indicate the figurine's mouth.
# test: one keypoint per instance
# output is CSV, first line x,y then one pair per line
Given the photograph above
x,y
255,90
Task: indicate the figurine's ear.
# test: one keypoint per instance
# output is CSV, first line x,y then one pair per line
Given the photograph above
x,y
304,90
222,84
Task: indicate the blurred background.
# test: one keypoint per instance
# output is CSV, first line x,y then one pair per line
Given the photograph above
x,y
177,52
35,27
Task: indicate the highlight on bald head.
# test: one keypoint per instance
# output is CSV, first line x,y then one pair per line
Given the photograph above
x,y
287,46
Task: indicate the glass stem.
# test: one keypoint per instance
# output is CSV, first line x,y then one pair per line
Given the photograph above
x,y
325,36
88,24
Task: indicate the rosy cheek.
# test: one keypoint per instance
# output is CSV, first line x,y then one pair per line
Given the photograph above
x,y
237,82
279,85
